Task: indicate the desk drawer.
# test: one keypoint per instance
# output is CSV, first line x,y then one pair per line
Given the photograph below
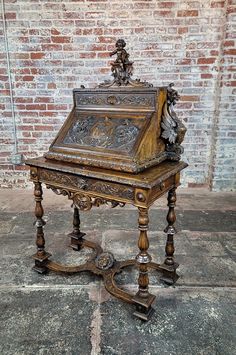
x,y
88,185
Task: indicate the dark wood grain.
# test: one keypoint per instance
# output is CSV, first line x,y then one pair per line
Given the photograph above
x,y
121,143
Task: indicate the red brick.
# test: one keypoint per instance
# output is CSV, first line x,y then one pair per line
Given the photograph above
x,y
230,52
28,78
103,39
37,55
52,86
10,15
57,107
182,30
163,13
61,39
25,127
103,55
98,47
190,98
217,3
43,128
214,53
167,4
206,76
187,13
55,32
3,78
36,107
206,60
46,99
229,43
87,54
51,47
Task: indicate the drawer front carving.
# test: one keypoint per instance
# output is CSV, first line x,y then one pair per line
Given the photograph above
x,y
115,99
91,185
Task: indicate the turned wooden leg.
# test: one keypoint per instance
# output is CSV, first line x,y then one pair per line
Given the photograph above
x,y
41,257
76,236
169,264
143,299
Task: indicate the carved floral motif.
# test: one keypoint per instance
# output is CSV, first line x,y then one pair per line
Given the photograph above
x,y
87,184
103,133
112,189
73,181
132,100
104,261
82,201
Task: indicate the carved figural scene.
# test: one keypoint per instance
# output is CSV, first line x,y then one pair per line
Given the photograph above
x,y
120,144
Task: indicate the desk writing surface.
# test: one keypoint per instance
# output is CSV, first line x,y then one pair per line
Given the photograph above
x,y
147,178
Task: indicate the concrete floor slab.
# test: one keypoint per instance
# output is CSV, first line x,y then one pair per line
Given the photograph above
x,y
45,321
185,322
15,200
58,314
16,259
101,219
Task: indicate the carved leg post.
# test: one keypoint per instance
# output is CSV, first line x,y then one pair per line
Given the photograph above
x,y
76,236
41,257
170,265
143,299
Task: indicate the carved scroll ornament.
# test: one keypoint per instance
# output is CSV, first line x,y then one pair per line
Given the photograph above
x,y
84,202
85,184
173,130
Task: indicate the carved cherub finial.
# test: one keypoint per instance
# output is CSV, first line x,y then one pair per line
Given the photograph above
x,y
122,55
122,69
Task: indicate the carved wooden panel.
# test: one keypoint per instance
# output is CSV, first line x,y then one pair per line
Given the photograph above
x,y
86,184
115,99
104,132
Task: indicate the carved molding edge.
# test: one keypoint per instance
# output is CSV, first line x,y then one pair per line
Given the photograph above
x,y
84,202
86,184
173,130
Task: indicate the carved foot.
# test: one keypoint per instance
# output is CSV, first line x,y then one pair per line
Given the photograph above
x,y
144,309
41,262
76,240
169,275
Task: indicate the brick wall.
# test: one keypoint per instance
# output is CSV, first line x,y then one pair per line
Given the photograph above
x,y
55,46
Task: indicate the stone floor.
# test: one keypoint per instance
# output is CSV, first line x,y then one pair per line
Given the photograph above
x,y
57,314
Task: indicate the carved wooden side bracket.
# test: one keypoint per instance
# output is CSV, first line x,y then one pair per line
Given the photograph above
x,y
173,130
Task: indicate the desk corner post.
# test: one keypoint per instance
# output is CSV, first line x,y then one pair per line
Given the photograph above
x,y
169,266
170,230
143,299
41,257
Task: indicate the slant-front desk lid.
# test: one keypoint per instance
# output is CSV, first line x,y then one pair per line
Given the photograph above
x,y
123,124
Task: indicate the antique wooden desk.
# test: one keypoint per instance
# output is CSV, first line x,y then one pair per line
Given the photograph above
x,y
88,187
120,144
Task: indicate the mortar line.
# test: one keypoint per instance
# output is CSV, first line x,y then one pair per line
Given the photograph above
x,y
217,94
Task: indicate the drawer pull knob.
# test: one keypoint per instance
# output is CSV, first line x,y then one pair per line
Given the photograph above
x,y
162,185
